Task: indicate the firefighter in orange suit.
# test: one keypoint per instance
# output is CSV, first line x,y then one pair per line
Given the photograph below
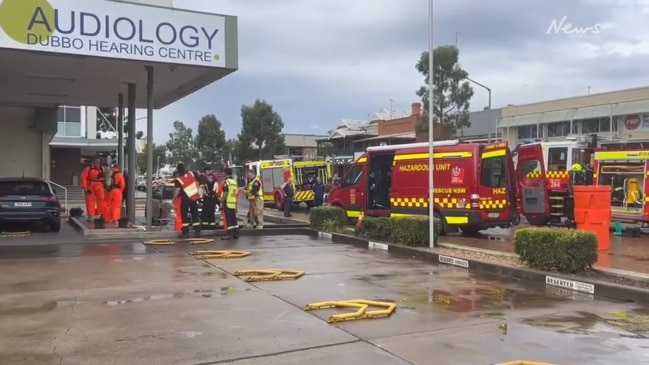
x,y
92,182
114,192
178,222
187,189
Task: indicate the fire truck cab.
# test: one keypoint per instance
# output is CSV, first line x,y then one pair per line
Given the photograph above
x,y
475,185
302,172
542,172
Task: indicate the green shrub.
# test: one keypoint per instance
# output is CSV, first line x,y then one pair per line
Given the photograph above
x,y
376,228
551,249
319,215
331,225
411,231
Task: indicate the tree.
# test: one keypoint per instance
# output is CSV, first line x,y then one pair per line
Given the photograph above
x,y
261,131
451,95
210,140
106,120
159,152
181,144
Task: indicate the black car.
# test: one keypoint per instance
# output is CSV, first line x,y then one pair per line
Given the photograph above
x,y
29,200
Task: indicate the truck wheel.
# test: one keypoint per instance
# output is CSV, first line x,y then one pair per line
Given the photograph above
x,y
471,230
438,215
536,220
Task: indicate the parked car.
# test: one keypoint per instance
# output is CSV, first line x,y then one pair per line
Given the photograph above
x,y
163,206
29,200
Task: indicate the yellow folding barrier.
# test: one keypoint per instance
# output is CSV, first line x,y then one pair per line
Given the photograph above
x,y
220,254
269,275
524,362
361,313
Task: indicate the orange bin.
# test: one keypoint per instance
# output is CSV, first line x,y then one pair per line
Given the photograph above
x,y
593,212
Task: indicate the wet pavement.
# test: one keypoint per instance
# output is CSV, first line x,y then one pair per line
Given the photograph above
x,y
626,253
127,304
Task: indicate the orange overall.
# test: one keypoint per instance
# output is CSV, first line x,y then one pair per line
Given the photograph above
x,y
92,181
178,222
113,207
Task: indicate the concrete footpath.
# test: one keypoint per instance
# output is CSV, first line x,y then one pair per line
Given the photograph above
x,y
126,303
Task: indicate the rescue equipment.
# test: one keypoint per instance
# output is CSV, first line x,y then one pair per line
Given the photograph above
x,y
269,275
220,254
361,313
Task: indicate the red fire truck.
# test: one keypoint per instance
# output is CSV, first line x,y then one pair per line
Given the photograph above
x,y
627,172
475,185
542,172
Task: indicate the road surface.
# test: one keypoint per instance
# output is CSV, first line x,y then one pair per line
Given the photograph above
x,y
128,303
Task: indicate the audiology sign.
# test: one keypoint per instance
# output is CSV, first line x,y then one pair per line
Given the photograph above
x,y
113,29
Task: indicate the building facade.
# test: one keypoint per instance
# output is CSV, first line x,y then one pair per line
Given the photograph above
x,y
302,144
616,115
77,140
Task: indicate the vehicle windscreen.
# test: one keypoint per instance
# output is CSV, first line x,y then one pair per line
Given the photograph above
x,y
24,188
307,175
493,172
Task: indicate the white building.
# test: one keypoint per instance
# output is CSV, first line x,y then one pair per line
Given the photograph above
x,y
77,139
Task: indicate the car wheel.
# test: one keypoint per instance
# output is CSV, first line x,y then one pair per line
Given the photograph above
x,y
55,226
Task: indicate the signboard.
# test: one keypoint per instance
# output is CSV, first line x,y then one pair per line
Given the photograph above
x,y
453,261
570,284
377,245
343,160
632,122
113,29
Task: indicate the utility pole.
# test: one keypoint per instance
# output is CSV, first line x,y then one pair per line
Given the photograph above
x,y
589,89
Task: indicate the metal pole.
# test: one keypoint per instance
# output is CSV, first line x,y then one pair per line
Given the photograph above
x,y
431,127
120,130
149,146
489,106
131,154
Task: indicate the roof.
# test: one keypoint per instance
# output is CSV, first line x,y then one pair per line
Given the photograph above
x,y
302,140
404,135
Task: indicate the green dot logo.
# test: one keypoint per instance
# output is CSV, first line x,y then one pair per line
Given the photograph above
x,y
15,16
217,57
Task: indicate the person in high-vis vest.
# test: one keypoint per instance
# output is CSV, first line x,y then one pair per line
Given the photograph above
x,y
187,189
210,187
92,182
229,193
255,195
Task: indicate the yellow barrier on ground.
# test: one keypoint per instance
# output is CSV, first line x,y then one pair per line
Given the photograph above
x,y
160,242
361,313
16,234
220,254
198,241
269,275
524,362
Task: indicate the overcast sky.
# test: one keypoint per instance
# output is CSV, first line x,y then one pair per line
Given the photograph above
x,y
320,61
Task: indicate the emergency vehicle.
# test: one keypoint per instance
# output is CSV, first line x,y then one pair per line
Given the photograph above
x,y
543,175
303,173
626,170
475,186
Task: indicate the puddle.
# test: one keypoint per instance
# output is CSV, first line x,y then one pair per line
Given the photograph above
x,y
202,293
211,273
46,307
632,324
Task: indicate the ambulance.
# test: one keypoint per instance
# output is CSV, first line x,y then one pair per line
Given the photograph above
x,y
302,172
474,184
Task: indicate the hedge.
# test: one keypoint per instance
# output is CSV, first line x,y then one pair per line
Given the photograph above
x,y
411,231
556,249
327,217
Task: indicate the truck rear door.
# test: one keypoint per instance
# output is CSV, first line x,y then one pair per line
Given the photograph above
x,y
530,173
496,188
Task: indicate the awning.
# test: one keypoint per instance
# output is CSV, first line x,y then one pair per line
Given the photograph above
x,y
557,116
519,120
